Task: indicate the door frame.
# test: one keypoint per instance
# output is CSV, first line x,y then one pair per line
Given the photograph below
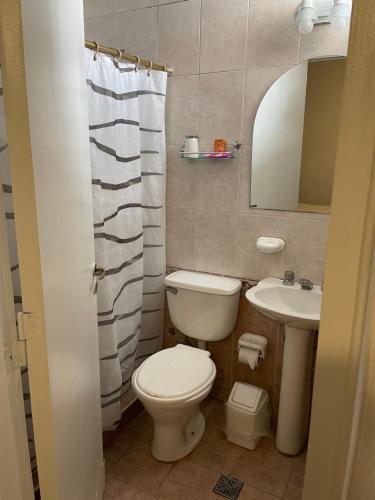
x,y
15,469
344,331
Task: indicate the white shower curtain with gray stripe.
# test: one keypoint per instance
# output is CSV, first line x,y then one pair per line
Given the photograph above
x,y
128,160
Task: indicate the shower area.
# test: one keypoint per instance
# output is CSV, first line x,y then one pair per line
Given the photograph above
x,y
126,126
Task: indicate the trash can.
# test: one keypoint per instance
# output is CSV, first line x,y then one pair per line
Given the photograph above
x,y
247,415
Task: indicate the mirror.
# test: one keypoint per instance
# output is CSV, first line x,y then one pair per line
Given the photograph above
x,y
295,138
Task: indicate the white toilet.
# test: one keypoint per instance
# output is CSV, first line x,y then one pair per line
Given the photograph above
x,y
172,382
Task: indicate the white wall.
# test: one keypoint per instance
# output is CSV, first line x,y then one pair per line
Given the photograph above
x,y
277,142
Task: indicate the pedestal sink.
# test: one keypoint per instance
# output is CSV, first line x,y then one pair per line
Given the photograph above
x,y
299,310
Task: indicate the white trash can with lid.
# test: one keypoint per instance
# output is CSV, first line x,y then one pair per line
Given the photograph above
x,y
247,415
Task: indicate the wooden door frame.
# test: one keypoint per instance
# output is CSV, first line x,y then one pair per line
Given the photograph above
x,y
19,145
15,469
348,274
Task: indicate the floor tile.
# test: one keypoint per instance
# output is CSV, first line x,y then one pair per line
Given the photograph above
x,y
249,493
265,469
188,481
216,417
267,442
118,490
140,469
294,489
215,452
142,427
118,446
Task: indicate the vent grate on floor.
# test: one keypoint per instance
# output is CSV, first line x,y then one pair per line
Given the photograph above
x,y
228,487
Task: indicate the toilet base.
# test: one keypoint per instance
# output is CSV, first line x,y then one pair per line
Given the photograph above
x,y
175,440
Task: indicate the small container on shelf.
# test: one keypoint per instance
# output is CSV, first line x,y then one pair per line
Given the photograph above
x,y
220,145
191,145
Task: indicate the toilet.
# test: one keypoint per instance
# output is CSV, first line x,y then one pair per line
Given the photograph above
x,y
172,383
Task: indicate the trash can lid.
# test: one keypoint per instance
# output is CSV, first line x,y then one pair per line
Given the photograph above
x,y
245,397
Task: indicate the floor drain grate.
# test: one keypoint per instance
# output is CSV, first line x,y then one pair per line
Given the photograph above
x,y
228,487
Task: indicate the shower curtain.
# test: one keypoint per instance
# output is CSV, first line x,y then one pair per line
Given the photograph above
x,y
128,161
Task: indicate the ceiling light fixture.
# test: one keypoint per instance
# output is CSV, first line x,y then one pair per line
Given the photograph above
x,y
311,12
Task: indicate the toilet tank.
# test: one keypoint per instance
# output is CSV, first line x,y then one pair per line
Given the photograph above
x,y
203,306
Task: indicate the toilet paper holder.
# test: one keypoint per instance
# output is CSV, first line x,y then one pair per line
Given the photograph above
x,y
253,341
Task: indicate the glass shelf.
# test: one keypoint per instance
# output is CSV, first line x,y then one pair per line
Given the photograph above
x,y
227,155
212,155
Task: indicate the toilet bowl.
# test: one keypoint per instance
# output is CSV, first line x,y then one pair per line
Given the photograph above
x,y
171,384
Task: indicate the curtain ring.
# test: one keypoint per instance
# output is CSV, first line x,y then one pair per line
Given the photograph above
x,y
137,65
149,68
97,48
119,55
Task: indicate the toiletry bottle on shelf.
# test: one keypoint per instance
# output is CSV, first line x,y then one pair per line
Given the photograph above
x,y
220,145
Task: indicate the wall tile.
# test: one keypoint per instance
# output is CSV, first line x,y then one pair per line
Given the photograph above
x,y
103,30
180,238
258,81
223,35
138,32
216,242
178,36
181,108
181,180
93,8
272,36
218,184
221,356
305,251
250,262
220,106
324,41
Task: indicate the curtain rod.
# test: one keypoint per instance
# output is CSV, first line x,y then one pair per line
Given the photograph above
x,y
121,55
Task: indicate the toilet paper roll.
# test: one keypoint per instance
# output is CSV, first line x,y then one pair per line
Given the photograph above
x,y
248,356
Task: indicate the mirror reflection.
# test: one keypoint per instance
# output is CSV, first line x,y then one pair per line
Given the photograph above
x,y
295,137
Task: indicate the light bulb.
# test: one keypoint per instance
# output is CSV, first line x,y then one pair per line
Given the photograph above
x,y
306,17
305,26
340,14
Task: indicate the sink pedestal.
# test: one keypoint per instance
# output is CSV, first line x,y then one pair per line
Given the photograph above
x,y
292,426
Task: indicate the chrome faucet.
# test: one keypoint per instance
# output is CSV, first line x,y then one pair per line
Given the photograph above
x,y
306,284
288,278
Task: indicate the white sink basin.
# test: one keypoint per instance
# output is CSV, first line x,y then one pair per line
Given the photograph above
x,y
287,304
299,310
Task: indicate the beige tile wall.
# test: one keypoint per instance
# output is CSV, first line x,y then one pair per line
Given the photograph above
x,y
225,56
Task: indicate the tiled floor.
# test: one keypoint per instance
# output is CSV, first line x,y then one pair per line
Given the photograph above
x,y
133,474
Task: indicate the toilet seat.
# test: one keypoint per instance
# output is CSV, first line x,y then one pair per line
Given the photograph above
x,y
178,373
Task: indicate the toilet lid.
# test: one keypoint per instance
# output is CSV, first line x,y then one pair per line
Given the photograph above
x,y
175,372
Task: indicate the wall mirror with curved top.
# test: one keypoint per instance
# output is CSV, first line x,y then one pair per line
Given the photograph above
x,y
295,136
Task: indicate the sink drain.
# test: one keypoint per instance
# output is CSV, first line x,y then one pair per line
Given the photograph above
x,y
228,487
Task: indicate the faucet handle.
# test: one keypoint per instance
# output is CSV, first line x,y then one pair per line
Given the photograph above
x,y
288,278
289,275
306,284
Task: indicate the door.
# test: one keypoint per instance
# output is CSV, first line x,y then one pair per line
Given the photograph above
x,y
42,47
